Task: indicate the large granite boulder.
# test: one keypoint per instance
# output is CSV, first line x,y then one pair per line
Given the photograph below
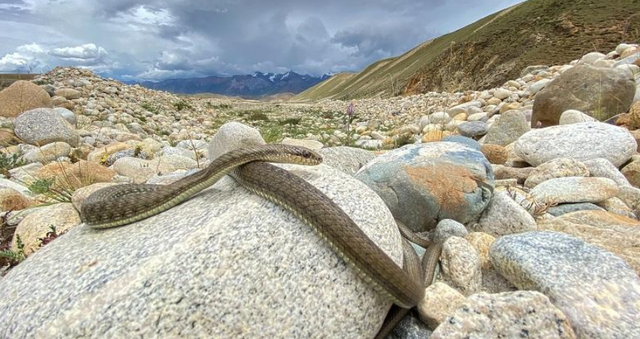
x,y
600,92
224,264
425,183
22,96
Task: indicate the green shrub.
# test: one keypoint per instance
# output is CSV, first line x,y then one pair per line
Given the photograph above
x,y
255,116
290,121
180,105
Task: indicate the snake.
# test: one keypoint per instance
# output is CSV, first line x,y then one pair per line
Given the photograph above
x,y
119,205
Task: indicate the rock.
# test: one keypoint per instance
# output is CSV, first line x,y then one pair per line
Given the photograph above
x,y
369,144
538,86
556,168
604,168
73,176
473,129
463,108
68,93
12,200
410,328
597,91
234,135
580,141
505,172
47,153
464,141
599,292
481,242
572,116
575,189
141,170
504,216
132,153
591,58
346,159
311,144
617,206
435,135
42,126
461,265
62,216
520,314
447,228
631,197
496,154
439,302
632,173
237,243
7,137
67,115
102,154
507,129
562,209
501,93
22,96
439,118
15,186
424,183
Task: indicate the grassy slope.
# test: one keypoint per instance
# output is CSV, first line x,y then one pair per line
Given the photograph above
x,y
494,49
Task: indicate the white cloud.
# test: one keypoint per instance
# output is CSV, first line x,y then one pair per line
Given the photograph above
x,y
86,52
26,58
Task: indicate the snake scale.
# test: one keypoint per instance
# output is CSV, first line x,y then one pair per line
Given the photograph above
x,y
123,204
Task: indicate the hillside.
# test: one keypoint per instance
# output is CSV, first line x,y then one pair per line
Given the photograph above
x,y
494,49
254,85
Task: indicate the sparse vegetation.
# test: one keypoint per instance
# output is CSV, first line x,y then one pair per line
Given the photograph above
x,y
258,116
290,121
272,134
9,162
10,257
150,108
180,105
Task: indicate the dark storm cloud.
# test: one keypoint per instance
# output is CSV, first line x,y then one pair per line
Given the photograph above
x,y
156,39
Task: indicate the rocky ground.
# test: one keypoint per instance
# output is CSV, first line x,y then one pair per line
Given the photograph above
x,y
550,252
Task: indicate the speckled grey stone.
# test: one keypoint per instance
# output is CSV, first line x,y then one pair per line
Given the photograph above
x,y
463,140
575,189
511,125
473,129
66,114
597,291
346,159
425,183
448,228
605,169
42,126
461,265
504,216
631,197
580,141
410,328
14,185
561,209
224,264
509,315
556,168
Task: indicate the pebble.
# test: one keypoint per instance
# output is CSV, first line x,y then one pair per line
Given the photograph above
x,y
447,228
556,168
605,169
575,189
63,216
461,265
511,125
504,216
439,302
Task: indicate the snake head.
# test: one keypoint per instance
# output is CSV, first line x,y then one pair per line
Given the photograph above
x,y
307,156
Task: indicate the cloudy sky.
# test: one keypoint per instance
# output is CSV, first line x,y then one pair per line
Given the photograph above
x,y
158,39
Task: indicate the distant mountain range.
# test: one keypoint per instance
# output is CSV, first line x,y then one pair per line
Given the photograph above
x,y
254,85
